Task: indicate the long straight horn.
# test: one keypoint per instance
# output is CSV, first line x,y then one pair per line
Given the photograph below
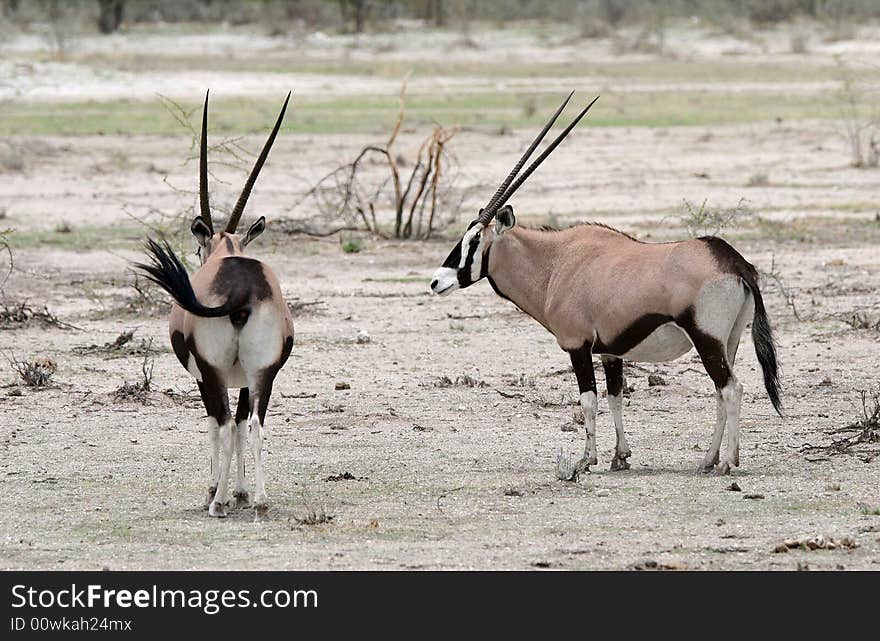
x,y
490,209
543,156
204,206
243,198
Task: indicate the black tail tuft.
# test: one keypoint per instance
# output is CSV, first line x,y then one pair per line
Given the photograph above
x,y
166,270
765,348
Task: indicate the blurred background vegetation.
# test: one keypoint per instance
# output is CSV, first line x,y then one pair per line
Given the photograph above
x,y
593,16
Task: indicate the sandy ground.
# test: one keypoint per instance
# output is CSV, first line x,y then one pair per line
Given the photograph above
x,y
444,476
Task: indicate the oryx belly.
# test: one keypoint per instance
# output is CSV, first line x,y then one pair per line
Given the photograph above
x,y
666,343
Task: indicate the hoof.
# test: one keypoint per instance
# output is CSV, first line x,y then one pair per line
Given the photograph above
x,y
724,470
261,512
619,463
242,500
707,468
212,490
217,510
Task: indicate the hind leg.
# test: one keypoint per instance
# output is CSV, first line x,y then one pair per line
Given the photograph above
x,y
712,456
732,396
614,382
259,403
216,400
214,454
240,493
714,325
214,407
729,398
728,395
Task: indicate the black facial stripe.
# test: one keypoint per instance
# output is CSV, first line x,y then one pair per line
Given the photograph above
x,y
464,274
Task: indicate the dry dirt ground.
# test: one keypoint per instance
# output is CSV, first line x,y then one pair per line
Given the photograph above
x,y
448,437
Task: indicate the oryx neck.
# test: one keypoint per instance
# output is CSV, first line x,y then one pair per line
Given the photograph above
x,y
519,269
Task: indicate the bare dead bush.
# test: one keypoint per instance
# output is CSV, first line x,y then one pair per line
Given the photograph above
x,y
18,315
711,221
459,381
123,345
139,391
315,514
6,248
145,299
35,372
861,319
774,276
860,437
859,120
343,194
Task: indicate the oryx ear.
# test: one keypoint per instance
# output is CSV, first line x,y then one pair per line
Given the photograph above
x,y
254,230
201,231
504,219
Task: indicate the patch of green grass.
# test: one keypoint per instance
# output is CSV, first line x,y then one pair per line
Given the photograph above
x,y
374,114
79,238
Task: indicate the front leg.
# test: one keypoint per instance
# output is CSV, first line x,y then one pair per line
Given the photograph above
x,y
582,362
614,382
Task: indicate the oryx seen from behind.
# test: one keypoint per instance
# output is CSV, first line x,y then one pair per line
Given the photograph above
x,y
230,328
600,291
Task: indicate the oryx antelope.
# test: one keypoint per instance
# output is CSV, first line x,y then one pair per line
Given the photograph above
x,y
230,328
600,291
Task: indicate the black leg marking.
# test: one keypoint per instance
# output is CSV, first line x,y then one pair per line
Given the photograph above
x,y
712,351
613,367
243,409
242,498
582,362
178,344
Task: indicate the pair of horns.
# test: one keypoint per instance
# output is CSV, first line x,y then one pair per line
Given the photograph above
x,y
506,190
204,205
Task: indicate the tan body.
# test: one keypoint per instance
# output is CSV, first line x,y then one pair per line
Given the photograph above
x,y
557,283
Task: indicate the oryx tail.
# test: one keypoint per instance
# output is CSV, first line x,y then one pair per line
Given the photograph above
x,y
765,346
167,271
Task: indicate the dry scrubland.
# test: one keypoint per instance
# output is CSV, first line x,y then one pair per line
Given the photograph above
x,y
442,453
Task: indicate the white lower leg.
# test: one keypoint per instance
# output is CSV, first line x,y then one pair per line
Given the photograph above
x,y
214,462
218,506
732,396
621,448
589,404
711,458
256,428
240,492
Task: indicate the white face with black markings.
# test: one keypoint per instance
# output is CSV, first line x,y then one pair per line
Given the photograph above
x,y
468,261
464,265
